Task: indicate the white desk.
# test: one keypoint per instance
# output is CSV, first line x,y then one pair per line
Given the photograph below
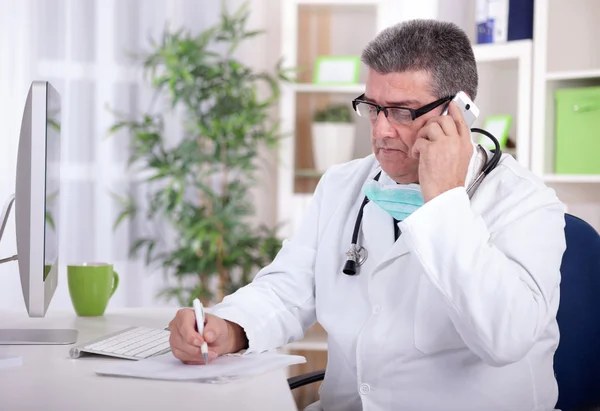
x,y
50,380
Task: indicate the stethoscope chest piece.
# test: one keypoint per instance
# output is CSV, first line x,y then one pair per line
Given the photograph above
x,y
356,255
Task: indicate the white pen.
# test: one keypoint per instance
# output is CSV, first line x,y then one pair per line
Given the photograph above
x,y
199,311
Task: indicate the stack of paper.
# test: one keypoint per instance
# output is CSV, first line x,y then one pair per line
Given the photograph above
x,y
167,367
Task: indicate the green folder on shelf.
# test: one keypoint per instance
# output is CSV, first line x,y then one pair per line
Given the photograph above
x,y
577,149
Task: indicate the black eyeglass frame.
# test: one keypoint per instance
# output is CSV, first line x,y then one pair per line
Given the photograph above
x,y
414,113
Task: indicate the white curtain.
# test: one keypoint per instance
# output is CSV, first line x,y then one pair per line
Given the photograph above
x,y
16,71
83,48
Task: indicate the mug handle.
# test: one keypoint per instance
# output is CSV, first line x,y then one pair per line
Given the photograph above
x,y
115,283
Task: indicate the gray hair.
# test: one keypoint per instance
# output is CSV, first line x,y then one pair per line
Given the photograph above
x,y
438,47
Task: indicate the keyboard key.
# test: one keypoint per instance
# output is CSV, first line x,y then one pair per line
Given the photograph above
x,y
144,347
154,350
117,338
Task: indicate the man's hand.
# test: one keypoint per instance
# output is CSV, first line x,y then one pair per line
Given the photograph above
x,y
222,337
444,149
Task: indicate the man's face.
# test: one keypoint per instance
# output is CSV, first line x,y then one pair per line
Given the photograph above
x,y
392,142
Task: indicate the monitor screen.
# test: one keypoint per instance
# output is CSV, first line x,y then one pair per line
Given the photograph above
x,y
52,205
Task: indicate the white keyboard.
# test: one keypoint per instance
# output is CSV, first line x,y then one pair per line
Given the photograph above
x,y
135,343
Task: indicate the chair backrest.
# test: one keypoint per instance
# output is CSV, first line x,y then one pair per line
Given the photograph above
x,y
577,359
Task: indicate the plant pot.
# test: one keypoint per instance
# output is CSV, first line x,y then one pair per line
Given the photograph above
x,y
333,143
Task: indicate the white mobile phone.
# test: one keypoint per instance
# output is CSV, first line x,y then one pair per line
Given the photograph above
x,y
469,110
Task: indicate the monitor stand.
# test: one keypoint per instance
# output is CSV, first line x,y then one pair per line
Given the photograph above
x,y
49,336
24,336
3,221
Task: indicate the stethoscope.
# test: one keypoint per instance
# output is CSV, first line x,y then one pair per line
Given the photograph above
x,y
357,255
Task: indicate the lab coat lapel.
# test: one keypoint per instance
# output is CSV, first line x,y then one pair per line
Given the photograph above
x,y
398,249
378,231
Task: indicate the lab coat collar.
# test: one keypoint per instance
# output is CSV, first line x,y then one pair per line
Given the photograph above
x,y
377,231
476,164
378,236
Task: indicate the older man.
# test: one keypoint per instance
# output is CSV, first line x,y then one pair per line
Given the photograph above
x,y
455,306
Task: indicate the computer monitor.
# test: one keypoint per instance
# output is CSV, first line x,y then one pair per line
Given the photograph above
x,y
37,212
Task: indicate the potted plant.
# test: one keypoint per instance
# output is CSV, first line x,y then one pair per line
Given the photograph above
x,y
200,185
333,133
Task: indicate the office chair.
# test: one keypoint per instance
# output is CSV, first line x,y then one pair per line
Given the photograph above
x,y
577,359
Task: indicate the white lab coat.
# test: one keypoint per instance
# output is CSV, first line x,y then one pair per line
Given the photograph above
x,y
458,314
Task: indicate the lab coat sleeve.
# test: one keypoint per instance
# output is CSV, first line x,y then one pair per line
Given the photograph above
x,y
500,288
279,305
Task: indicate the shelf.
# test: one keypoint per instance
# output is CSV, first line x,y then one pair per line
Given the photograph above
x,y
572,75
339,2
318,88
502,51
316,342
307,346
572,178
308,173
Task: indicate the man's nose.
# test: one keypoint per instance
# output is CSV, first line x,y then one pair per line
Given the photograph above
x,y
382,127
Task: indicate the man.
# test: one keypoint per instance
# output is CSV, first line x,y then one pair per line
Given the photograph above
x,y
458,313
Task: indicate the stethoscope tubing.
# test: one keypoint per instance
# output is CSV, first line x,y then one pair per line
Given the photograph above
x,y
355,259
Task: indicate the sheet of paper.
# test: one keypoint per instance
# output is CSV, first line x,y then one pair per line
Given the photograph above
x,y
7,361
167,367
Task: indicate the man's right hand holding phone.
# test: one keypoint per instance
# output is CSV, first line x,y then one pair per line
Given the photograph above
x,y
222,337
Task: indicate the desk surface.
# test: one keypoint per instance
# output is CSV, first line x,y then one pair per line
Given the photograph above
x,y
50,380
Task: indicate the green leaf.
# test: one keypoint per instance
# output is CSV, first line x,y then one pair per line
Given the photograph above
x,y
137,245
50,220
122,216
149,248
118,126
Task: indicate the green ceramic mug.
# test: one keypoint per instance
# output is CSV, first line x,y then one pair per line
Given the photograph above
x,y
91,285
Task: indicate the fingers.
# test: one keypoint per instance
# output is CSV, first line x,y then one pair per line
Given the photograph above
x,y
185,323
438,127
213,328
184,340
190,359
419,147
178,343
459,120
431,131
185,357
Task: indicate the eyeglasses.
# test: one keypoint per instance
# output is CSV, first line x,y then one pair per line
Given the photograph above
x,y
399,115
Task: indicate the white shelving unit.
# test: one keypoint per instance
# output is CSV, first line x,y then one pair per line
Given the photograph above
x,y
514,58
573,75
379,14
316,88
520,49
520,54
565,55
338,2
571,178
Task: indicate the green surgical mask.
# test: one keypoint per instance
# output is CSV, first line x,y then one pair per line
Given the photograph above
x,y
399,200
